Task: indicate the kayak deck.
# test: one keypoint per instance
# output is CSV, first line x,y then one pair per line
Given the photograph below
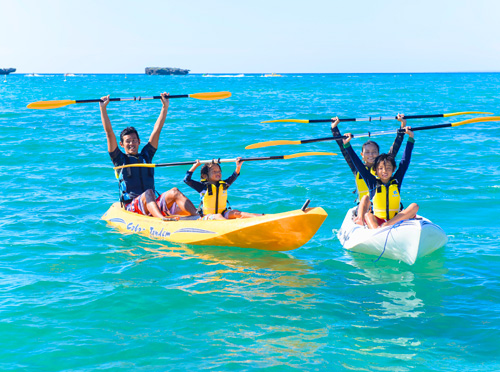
x,y
405,241
274,232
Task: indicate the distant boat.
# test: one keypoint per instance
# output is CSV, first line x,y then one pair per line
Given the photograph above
x,y
32,75
273,75
69,75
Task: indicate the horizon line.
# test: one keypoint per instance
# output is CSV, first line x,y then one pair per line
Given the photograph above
x,y
257,73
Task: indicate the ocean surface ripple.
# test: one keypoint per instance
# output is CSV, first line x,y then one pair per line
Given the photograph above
x,y
76,295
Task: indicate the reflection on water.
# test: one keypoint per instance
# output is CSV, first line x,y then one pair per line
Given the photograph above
x,y
400,297
285,300
235,258
268,342
394,299
264,283
401,304
241,273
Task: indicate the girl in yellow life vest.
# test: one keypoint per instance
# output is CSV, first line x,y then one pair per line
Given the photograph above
x,y
213,191
369,152
384,186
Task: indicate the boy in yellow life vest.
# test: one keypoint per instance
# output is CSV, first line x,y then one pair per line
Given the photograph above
x,y
384,186
213,191
369,152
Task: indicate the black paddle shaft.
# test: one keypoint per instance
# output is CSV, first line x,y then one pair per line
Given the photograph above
x,y
401,130
130,99
377,118
217,161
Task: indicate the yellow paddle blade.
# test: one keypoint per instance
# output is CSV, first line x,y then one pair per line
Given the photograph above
x,y
286,121
298,155
141,165
271,143
211,95
476,120
466,113
43,105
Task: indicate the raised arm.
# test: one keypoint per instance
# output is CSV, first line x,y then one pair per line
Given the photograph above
x,y
360,167
399,137
406,158
198,186
336,133
235,174
155,134
106,123
194,166
239,163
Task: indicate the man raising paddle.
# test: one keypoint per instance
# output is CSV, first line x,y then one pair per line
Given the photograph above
x,y
137,189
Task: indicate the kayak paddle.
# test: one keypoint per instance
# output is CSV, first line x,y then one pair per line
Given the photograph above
x,y
378,118
370,134
218,161
210,96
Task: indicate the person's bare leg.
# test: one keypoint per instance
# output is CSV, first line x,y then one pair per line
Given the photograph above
x,y
405,214
148,200
234,213
185,205
217,216
363,208
371,221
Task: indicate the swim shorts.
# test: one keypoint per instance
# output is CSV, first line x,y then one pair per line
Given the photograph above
x,y
135,206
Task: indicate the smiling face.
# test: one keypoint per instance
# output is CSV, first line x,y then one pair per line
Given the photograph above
x,y
384,171
214,173
130,144
369,153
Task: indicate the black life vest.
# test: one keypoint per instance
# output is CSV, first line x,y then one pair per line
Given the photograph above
x,y
133,181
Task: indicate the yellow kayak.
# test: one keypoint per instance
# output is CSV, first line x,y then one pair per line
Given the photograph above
x,y
272,232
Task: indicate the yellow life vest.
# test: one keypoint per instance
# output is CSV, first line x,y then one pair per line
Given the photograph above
x,y
361,186
215,198
387,201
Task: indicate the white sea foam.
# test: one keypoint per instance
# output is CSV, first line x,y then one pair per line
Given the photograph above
x,y
227,76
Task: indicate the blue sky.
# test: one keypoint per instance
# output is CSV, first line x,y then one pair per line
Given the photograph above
x,y
250,36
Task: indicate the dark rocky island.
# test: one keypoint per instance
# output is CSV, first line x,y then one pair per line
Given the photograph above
x,y
166,71
6,71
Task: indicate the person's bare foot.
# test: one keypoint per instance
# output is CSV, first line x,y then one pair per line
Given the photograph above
x,y
358,221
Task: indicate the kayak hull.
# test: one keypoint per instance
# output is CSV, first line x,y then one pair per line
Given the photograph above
x,y
273,232
406,241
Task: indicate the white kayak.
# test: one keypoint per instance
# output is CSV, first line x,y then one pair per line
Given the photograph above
x,y
405,241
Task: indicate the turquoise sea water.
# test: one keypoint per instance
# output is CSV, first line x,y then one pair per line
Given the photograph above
x,y
76,295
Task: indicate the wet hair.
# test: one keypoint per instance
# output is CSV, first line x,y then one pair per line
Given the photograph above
x,y
384,158
369,142
127,131
206,168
